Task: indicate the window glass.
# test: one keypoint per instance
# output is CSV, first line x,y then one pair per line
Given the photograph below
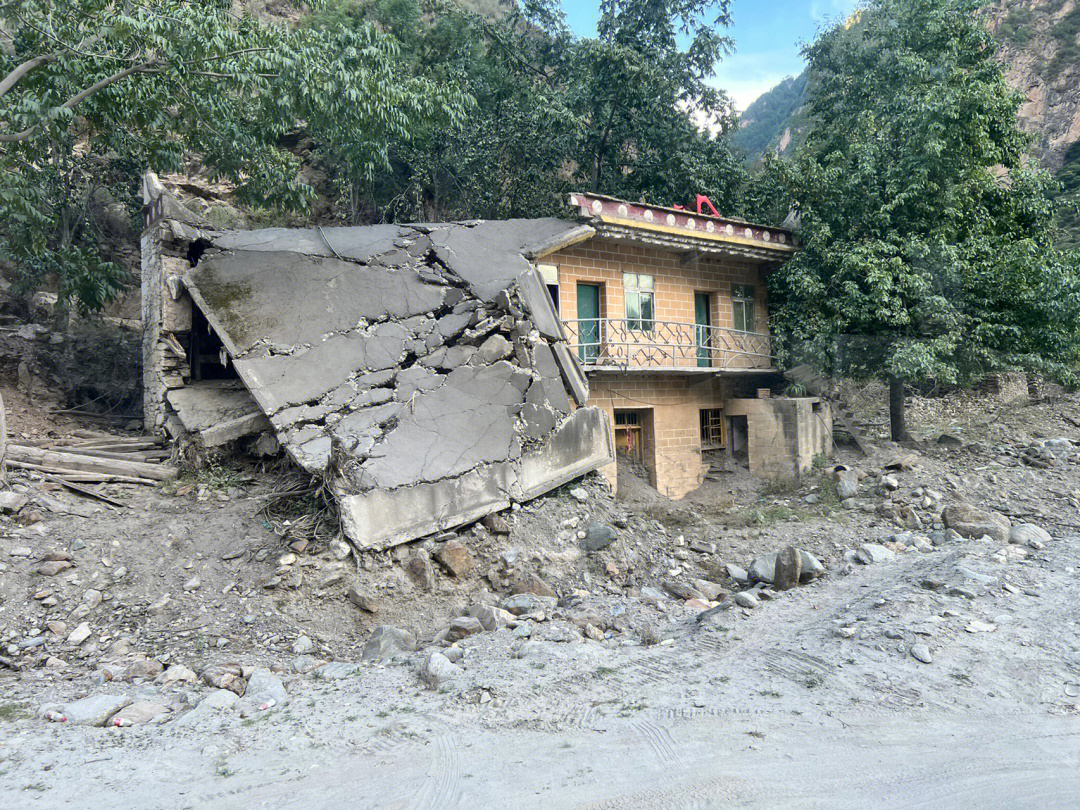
x,y
640,304
742,300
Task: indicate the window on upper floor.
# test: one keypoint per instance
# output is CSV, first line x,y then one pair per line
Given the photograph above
x,y
640,302
742,300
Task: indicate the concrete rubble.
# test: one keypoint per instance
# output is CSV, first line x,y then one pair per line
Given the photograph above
x,y
421,369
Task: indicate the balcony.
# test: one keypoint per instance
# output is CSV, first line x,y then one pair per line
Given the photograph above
x,y
667,345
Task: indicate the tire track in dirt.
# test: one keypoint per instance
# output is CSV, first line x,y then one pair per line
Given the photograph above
x,y
442,789
659,740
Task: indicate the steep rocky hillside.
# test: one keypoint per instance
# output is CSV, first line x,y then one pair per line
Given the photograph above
x,y
1040,44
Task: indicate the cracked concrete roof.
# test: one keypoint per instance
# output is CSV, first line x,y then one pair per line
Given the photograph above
x,y
417,366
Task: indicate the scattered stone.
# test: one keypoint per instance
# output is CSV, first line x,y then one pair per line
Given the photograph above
x,y
873,553
145,668
463,627
178,673
11,502
364,600
680,590
455,558
420,570
340,550
920,652
193,584
950,441
386,642
737,573
787,569
598,536
303,645
526,603
490,618
531,584
711,591
1028,534
336,670
593,632
746,599
890,482
225,676
138,713
437,670
845,632
94,710
50,568
970,522
579,495
264,691
303,664
976,626
847,484
79,634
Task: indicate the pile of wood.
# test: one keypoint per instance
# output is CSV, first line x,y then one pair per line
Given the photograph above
x,y
89,457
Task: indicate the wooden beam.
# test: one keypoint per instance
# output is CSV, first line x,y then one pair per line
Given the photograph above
x,y
92,464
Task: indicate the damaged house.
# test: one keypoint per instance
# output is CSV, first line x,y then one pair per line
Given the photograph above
x,y
437,373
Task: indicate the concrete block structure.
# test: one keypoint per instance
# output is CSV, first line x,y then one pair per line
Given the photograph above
x,y
667,311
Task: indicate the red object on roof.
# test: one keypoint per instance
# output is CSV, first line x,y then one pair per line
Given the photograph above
x,y
703,201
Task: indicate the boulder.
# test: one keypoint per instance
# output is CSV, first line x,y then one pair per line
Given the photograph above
x,y
363,599
225,676
455,558
1028,534
847,484
437,670
420,570
525,603
746,599
763,569
711,591
737,573
680,590
138,713
490,618
871,553
531,584
94,710
787,569
970,522
598,536
385,642
463,627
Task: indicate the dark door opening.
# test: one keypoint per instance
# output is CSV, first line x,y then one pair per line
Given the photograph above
x,y
702,321
206,354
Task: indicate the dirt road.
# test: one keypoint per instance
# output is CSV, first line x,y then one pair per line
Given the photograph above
x,y
811,700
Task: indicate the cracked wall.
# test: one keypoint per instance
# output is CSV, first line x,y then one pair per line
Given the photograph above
x,y
421,369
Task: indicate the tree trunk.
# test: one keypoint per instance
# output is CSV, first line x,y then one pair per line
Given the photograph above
x,y
897,420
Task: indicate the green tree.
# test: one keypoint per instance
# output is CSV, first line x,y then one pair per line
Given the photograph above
x,y
927,251
89,87
615,114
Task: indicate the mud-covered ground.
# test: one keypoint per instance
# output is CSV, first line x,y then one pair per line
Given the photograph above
x,y
611,696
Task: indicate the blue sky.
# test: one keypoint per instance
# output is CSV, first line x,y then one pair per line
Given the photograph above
x,y
768,35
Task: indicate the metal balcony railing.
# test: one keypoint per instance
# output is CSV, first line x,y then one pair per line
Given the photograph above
x,y
666,344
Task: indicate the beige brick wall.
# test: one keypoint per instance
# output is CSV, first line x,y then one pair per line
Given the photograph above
x,y
672,448
603,262
784,434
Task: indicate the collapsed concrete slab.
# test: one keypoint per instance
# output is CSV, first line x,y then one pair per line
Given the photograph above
x,y
421,369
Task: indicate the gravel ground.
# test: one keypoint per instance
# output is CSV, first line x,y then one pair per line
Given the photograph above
x,y
939,679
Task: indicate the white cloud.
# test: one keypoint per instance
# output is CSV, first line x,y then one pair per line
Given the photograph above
x,y
747,76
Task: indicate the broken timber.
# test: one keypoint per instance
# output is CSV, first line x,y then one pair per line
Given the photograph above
x,y
90,464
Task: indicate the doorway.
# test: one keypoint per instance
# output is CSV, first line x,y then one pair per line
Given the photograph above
x,y
702,322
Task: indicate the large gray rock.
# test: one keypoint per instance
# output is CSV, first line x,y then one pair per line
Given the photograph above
x,y
872,553
521,604
763,569
386,642
788,569
847,484
94,710
463,627
437,670
1028,534
598,537
970,522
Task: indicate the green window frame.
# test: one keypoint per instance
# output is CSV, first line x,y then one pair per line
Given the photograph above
x,y
640,296
743,303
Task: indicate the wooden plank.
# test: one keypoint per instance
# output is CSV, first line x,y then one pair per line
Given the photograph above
x,y
82,477
81,463
90,493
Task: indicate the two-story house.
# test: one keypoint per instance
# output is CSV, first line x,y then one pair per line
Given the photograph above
x,y
667,312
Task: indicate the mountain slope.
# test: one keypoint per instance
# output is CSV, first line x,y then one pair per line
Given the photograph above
x,y
1040,46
